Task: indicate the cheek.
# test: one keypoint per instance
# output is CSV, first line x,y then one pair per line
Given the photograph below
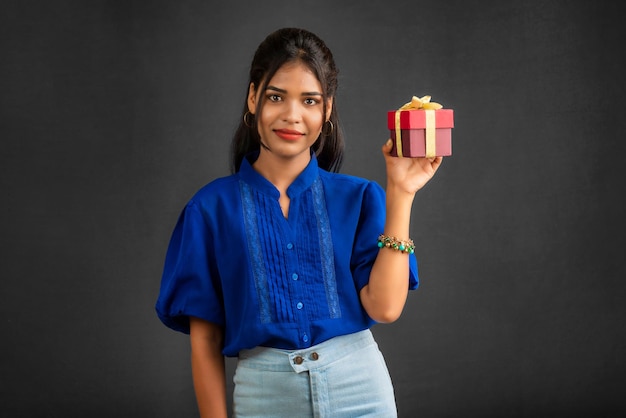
x,y
316,122
264,120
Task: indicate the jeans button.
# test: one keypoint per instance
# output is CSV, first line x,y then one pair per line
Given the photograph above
x,y
314,356
298,360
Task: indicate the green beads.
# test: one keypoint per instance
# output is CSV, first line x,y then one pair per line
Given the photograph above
x,y
404,246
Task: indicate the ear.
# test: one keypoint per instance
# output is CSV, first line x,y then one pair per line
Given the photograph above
x,y
329,108
252,99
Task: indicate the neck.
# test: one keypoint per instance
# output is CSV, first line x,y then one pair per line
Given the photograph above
x,y
278,171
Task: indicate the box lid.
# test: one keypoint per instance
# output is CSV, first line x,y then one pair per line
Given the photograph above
x,y
416,119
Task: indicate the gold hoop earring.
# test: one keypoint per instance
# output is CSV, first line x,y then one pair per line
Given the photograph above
x,y
332,128
245,119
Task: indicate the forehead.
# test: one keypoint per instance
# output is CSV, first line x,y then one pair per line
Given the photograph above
x,y
295,76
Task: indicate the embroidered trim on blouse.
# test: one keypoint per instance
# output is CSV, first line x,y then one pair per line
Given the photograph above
x,y
270,274
326,249
254,249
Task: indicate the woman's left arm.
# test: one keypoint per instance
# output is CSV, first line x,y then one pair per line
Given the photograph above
x,y
385,295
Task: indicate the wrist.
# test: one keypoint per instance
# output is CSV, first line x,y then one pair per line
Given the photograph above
x,y
398,203
397,192
398,215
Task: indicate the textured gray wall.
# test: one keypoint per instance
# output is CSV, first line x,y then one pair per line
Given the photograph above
x,y
114,113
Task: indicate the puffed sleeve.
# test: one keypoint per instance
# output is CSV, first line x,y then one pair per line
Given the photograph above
x,y
371,225
190,286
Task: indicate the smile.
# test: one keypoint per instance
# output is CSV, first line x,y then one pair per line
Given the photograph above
x,y
288,134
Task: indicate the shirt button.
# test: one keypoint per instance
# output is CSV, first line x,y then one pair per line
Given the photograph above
x,y
305,338
294,276
314,356
298,360
289,246
299,305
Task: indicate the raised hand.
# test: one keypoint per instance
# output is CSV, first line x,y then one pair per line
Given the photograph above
x,y
408,174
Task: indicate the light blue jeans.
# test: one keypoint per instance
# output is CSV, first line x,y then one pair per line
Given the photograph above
x,y
342,377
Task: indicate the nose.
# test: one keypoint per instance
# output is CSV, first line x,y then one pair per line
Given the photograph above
x,y
292,112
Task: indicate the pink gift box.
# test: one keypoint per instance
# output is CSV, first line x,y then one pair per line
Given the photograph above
x,y
413,132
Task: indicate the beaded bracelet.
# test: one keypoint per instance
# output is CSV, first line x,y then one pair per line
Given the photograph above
x,y
395,244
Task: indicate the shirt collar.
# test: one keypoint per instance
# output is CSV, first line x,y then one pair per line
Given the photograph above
x,y
304,180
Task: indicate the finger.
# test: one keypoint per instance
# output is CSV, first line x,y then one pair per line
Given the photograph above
x,y
436,163
387,147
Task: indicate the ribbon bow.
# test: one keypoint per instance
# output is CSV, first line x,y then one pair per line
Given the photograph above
x,y
419,103
423,103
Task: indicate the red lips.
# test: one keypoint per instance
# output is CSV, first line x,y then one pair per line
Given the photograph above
x,y
288,134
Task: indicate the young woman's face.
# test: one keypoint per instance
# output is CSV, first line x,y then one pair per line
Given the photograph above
x,y
292,116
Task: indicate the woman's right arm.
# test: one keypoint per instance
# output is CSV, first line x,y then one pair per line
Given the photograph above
x,y
207,366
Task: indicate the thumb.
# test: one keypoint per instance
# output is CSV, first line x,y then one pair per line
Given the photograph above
x,y
387,147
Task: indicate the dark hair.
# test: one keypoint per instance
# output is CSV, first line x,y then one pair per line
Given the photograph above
x,y
280,47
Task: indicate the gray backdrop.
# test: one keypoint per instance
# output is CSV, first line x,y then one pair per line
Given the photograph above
x,y
114,112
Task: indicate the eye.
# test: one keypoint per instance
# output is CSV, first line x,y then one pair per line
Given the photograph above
x,y
274,98
310,101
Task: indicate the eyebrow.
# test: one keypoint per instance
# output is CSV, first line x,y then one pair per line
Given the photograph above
x,y
305,93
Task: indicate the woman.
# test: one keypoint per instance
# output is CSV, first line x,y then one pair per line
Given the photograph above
x,y
286,263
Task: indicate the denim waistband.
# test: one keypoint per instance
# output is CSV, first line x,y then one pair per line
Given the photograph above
x,y
315,357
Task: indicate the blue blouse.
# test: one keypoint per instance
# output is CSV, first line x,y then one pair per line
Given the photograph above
x,y
236,261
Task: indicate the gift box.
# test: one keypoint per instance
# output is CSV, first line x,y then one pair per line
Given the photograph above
x,y
422,132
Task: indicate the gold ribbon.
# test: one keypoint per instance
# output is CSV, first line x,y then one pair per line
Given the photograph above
x,y
430,134
419,103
